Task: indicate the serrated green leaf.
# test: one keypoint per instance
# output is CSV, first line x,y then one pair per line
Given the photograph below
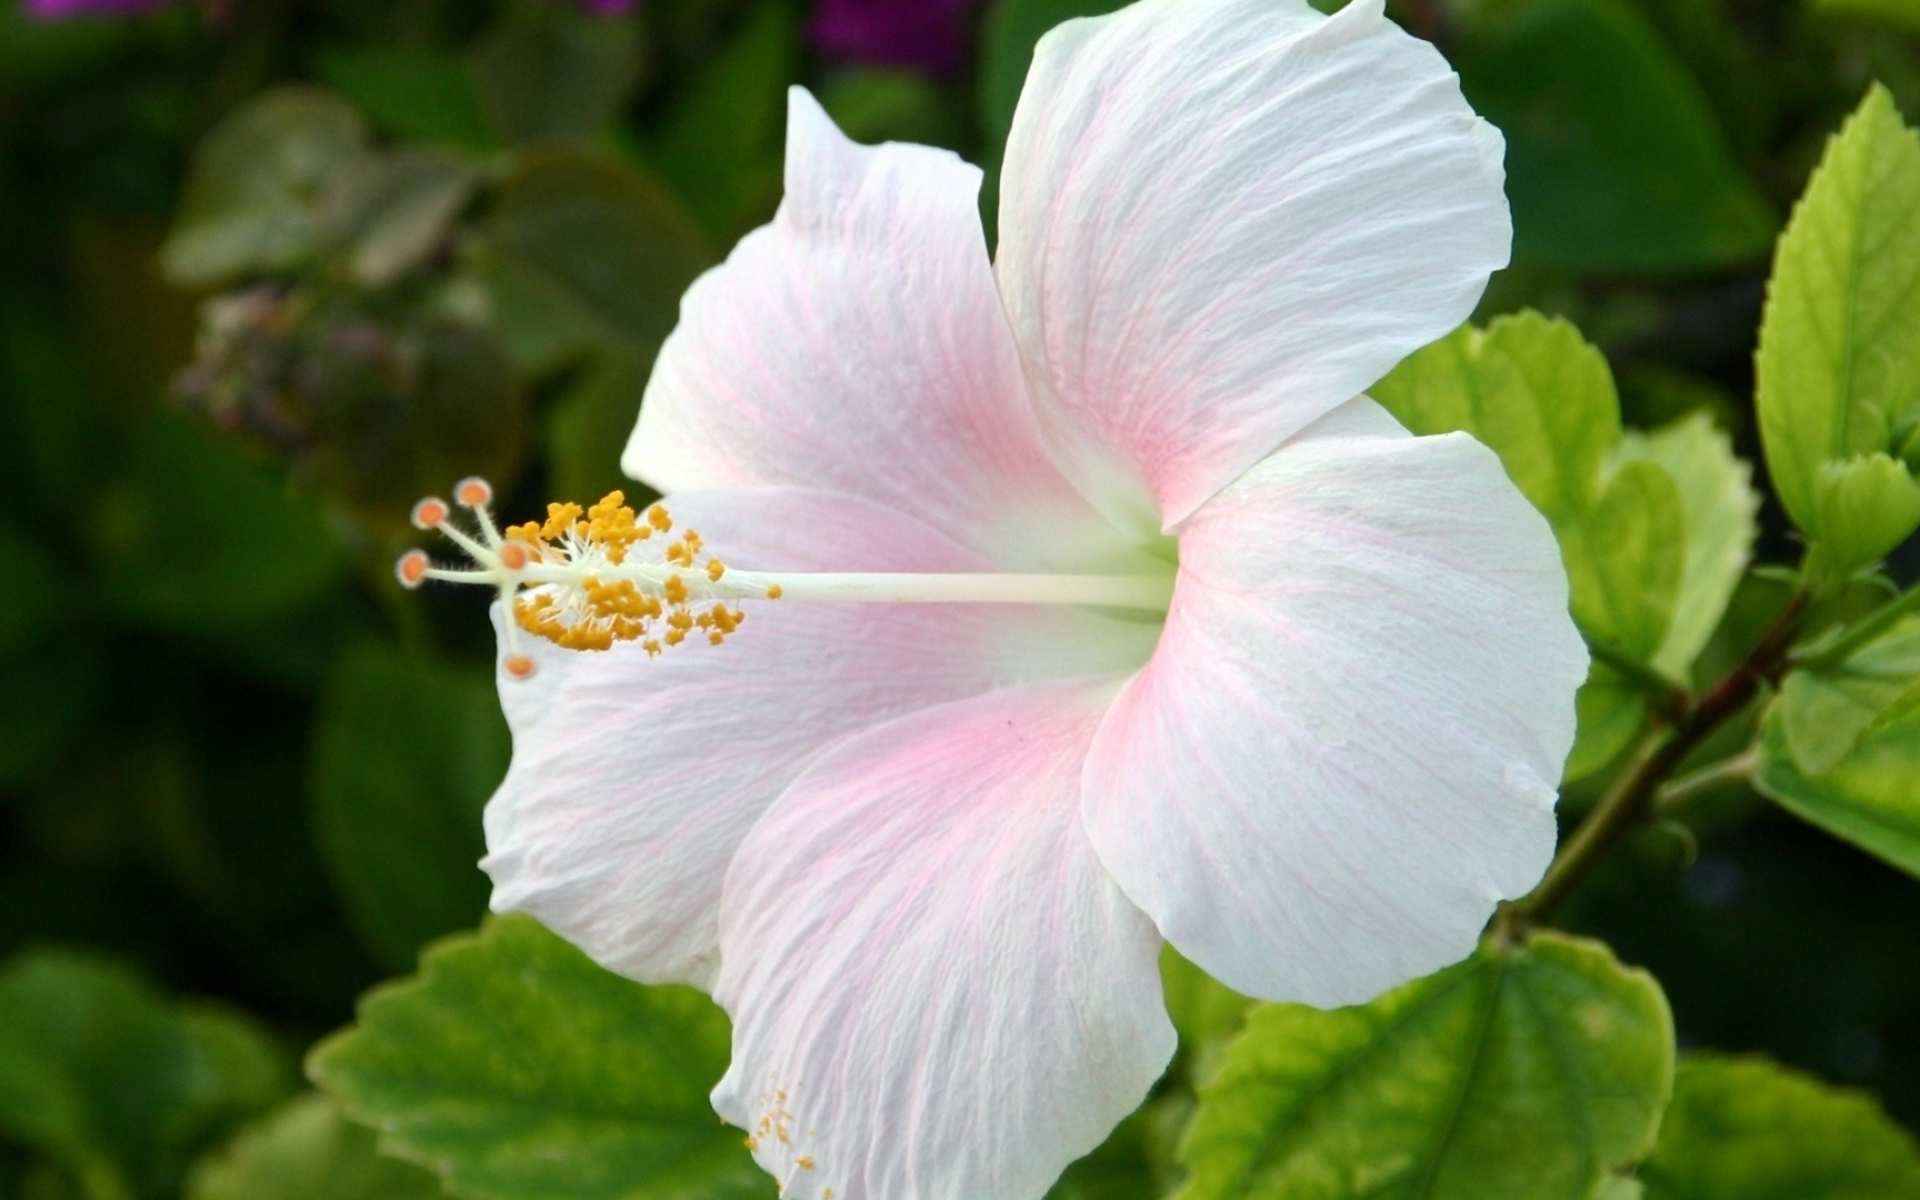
x,y
1839,360
1870,798
519,1070
406,753
1532,389
306,1150
1537,1071
1824,712
1615,160
608,245
250,201
119,1086
1863,508
1720,509
1745,1129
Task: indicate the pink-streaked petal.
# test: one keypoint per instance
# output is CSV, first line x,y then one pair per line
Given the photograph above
x,y
1346,748
1219,220
634,780
936,990
857,345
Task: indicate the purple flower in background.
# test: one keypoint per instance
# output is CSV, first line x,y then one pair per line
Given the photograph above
x,y
929,34
53,10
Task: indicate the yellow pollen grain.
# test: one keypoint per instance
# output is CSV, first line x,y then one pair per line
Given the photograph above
x,y
775,591
804,1162
597,613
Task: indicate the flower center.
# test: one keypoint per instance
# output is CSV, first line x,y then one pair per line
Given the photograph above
x,y
586,578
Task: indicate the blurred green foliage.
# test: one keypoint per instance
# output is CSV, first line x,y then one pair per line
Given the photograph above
x,y
266,279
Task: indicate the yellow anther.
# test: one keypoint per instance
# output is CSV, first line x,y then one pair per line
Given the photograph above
x,y
775,591
592,594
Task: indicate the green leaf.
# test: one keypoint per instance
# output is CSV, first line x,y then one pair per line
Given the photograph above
x,y
1841,748
406,753
250,201
198,538
1543,399
876,104
1824,712
1204,1010
1615,162
551,71
398,209
1839,360
411,93
1011,30
307,1151
1898,12
1610,710
719,143
1745,1129
519,1070
1522,1073
590,426
1720,509
1864,508
119,1086
603,243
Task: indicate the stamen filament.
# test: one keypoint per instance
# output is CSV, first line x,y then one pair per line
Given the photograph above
x,y
870,587
588,578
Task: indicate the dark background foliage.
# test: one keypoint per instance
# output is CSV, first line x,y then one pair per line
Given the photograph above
x,y
269,272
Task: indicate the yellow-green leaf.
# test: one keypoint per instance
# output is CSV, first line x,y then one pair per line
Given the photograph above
x,y
1521,1073
1839,360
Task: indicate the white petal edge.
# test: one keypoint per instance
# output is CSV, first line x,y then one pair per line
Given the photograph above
x,y
936,990
857,345
1346,748
634,780
1221,219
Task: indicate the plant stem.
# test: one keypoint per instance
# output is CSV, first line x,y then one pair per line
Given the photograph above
x,y
1629,803
1714,777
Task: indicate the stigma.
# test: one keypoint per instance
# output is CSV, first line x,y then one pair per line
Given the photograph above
x,y
587,578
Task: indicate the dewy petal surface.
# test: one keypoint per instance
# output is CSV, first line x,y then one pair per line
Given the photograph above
x,y
1346,747
634,780
936,990
1221,219
857,344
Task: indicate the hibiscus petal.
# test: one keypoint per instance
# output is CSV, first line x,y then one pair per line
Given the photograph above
x,y
1346,747
1220,219
634,780
857,344
936,990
